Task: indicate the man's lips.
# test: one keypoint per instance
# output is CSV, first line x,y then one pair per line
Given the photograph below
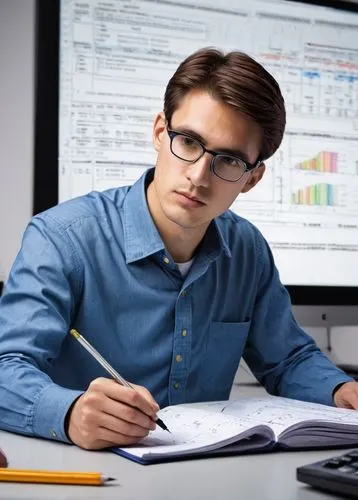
x,y
194,199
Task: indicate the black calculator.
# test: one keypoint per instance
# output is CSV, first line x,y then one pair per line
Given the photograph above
x,y
335,475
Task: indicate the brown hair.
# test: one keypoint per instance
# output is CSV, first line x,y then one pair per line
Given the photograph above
x,y
238,81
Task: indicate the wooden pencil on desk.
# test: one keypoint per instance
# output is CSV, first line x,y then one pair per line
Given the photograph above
x,y
54,477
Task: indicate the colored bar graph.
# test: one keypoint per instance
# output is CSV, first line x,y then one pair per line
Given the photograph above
x,y
324,161
317,194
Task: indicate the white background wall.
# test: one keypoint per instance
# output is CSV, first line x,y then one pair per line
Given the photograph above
x,y
17,45
17,39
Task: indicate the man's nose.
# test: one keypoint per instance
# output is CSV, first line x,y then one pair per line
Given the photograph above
x,y
199,173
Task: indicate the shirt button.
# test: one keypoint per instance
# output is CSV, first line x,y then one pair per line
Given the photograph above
x,y
178,358
176,385
166,260
183,293
53,433
184,332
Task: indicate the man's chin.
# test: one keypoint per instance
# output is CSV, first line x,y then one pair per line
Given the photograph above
x,y
185,220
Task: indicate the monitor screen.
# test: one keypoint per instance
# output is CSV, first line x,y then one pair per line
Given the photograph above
x,y
115,59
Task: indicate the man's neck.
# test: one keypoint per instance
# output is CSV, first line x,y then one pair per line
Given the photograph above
x,y
181,247
180,242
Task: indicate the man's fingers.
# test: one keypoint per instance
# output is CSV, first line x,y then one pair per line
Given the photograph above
x,y
109,414
137,417
137,397
352,400
347,396
147,395
124,427
121,415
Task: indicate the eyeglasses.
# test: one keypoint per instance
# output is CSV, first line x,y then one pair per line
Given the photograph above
x,y
227,167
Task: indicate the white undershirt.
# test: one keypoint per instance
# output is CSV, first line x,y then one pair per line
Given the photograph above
x,y
184,267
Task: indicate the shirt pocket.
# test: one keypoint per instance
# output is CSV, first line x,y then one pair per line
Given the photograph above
x,y
224,348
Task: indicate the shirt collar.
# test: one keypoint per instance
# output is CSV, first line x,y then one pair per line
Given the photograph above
x,y
141,237
223,244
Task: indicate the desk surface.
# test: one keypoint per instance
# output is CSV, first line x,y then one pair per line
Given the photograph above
x,y
251,477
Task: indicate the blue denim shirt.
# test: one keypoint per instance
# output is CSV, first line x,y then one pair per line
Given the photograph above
x,y
97,263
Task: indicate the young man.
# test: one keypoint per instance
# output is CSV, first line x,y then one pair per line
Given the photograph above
x,y
164,281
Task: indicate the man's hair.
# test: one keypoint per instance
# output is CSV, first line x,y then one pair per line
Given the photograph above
x,y
237,80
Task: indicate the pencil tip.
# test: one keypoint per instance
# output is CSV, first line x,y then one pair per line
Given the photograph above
x,y
110,479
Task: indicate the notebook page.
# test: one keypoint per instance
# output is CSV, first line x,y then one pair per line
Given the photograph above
x,y
281,413
193,429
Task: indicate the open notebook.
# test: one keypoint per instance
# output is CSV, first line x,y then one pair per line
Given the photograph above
x,y
248,424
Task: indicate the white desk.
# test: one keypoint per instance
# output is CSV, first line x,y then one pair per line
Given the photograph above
x,y
249,477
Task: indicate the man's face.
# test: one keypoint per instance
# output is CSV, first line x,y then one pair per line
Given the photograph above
x,y
189,195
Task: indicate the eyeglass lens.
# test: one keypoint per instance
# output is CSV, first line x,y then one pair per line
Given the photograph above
x,y
224,166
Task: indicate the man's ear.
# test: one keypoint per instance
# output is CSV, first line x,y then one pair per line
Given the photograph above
x,y
158,130
255,177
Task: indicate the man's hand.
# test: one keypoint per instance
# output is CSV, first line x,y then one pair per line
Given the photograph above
x,y
346,396
109,414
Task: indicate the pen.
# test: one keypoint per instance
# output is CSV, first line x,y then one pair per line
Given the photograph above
x,y
108,368
53,477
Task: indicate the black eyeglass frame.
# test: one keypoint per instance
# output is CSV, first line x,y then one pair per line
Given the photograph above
x,y
248,166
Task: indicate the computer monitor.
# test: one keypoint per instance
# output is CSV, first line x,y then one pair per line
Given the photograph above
x,y
101,74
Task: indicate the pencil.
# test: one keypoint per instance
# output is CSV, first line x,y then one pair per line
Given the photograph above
x,y
53,477
108,368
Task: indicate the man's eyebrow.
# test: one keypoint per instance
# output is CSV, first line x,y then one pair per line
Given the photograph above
x,y
233,152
